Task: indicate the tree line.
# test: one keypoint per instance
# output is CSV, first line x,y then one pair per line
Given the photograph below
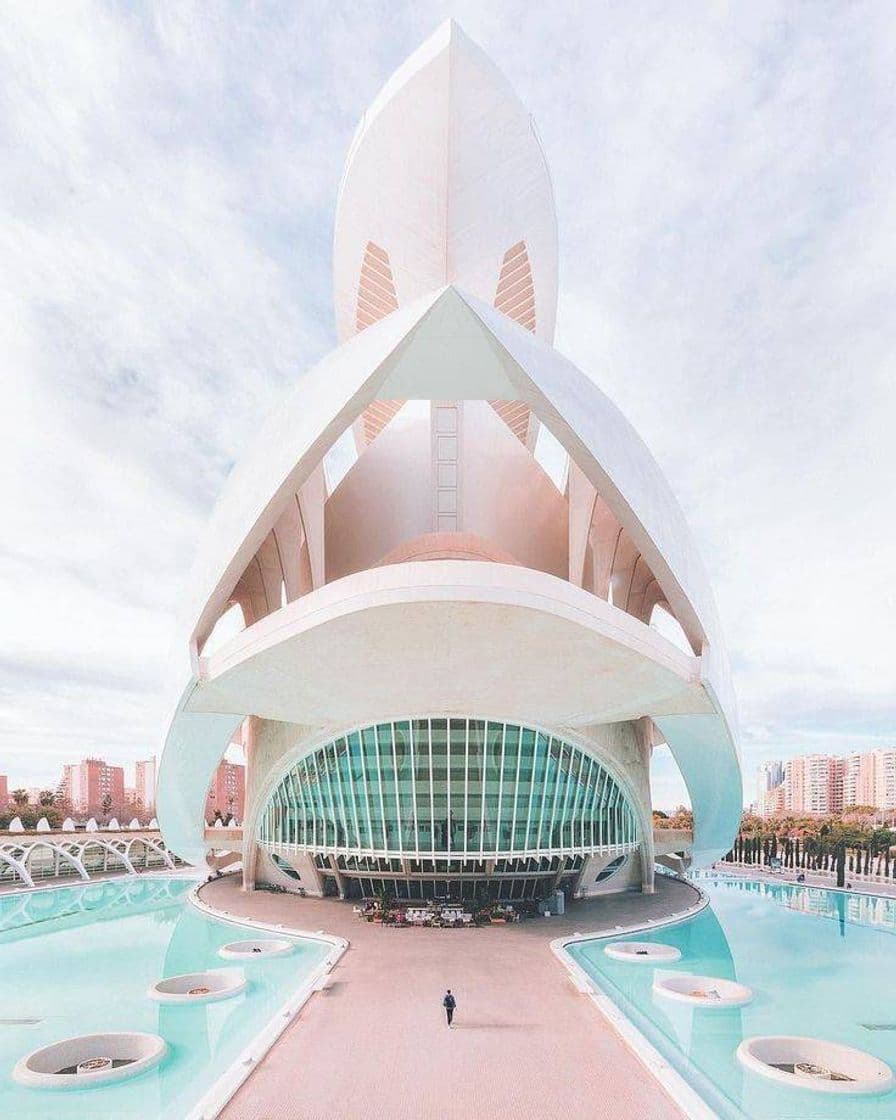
x,y
835,845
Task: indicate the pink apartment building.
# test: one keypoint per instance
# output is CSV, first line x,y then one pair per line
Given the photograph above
x,y
819,784
145,784
87,784
227,793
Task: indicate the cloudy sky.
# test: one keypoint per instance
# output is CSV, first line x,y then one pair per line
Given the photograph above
x,y
725,190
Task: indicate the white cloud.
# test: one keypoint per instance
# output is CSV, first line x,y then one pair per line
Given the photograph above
x,y
724,188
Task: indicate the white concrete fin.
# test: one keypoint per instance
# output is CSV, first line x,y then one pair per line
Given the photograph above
x,y
446,175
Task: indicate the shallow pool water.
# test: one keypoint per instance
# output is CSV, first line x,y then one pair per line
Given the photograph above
x,y
79,960
821,963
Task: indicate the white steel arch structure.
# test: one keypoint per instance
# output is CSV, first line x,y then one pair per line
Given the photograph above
x,y
12,855
75,853
59,850
446,574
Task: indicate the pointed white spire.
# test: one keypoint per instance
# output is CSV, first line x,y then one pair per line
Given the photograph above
x,y
445,175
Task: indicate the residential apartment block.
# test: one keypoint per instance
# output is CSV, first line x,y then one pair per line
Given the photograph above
x,y
145,784
86,785
819,783
227,793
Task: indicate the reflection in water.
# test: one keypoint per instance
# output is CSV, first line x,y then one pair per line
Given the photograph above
x,y
847,909
819,963
109,898
703,1038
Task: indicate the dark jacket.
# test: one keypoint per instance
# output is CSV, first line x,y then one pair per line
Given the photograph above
x,y
449,1001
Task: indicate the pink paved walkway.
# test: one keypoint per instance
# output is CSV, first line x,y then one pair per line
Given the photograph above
x,y
375,1046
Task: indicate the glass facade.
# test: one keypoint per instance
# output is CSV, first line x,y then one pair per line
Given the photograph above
x,y
449,789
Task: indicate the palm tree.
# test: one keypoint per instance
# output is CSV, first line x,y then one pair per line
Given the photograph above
x,y
20,797
46,798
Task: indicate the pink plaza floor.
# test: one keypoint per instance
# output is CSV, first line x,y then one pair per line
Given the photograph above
x,y
374,1046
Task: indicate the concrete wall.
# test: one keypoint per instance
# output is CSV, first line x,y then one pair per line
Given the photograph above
x,y
310,880
627,878
383,501
507,498
504,497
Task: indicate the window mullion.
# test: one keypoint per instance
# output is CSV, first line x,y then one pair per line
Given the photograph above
x,y
483,787
500,788
397,790
432,797
366,790
516,786
466,785
414,788
379,784
354,796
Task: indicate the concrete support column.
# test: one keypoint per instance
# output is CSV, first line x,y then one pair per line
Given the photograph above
x,y
645,734
555,880
338,876
250,865
250,852
648,875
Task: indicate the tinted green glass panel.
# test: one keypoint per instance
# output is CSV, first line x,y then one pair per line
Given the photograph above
x,y
438,788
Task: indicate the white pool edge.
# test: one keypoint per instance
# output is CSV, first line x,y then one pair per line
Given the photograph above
x,y
682,1093
224,1088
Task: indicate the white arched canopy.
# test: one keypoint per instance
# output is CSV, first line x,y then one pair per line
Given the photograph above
x,y
451,345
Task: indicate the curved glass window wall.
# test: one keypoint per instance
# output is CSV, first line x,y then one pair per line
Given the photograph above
x,y
449,789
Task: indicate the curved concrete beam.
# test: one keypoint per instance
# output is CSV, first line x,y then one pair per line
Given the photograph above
x,y
530,647
194,747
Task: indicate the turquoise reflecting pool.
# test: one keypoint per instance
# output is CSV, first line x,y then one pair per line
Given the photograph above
x,y
821,963
80,960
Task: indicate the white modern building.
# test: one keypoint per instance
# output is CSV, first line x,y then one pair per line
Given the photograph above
x,y
446,660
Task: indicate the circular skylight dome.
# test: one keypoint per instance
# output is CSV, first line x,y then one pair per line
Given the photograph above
x,y
251,950
90,1059
815,1065
702,991
199,987
642,952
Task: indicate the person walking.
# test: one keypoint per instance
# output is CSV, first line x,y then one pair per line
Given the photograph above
x,y
449,1003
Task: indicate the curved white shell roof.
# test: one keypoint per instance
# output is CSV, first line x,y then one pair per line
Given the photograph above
x,y
445,175
498,358
476,182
